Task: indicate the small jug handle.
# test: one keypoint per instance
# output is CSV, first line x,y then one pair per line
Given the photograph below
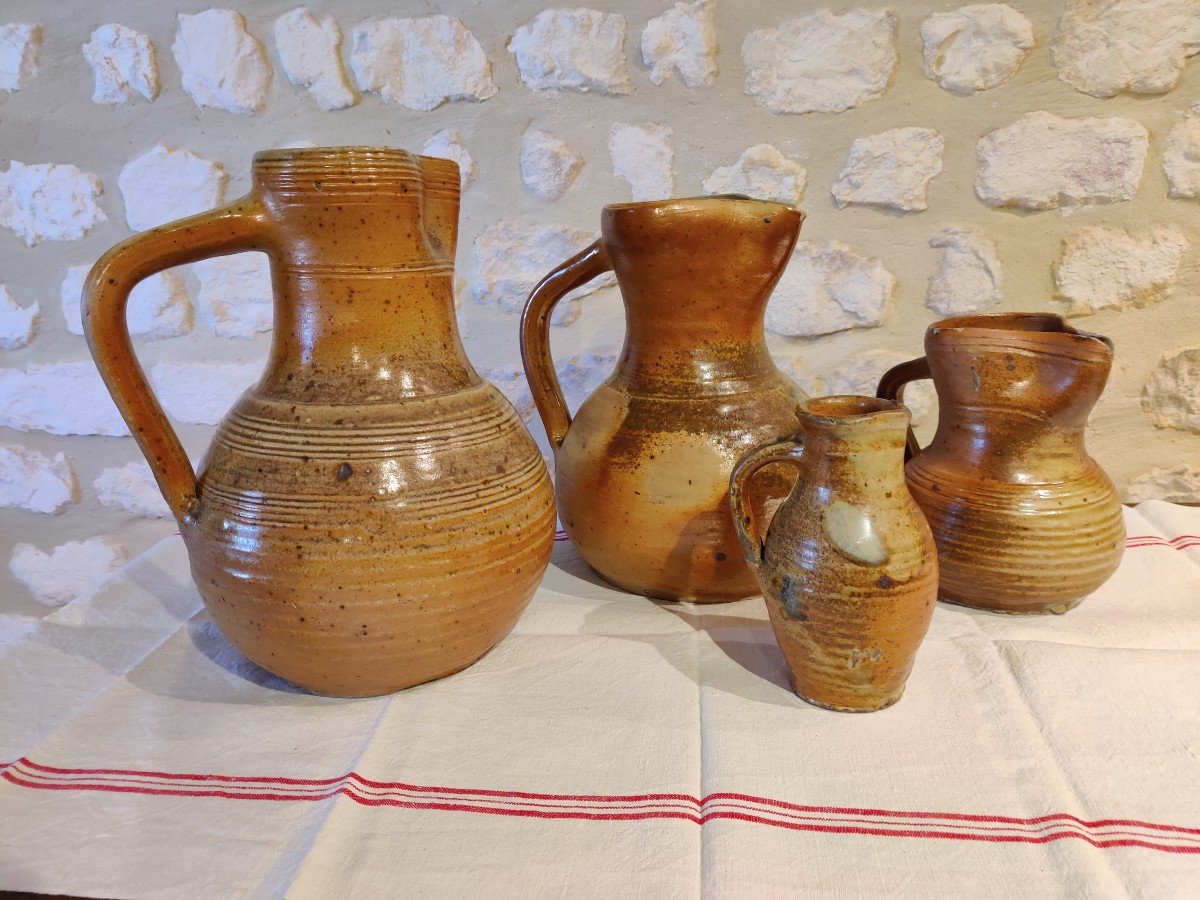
x,y
535,335
750,536
228,229
891,387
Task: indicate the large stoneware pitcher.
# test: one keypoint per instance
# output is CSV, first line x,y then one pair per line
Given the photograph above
x,y
1025,521
371,514
642,470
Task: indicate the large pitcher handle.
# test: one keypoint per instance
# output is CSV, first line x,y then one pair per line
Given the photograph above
x,y
228,229
535,336
891,387
750,535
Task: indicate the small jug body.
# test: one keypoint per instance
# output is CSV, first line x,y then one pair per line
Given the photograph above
x,y
848,566
1025,520
371,514
641,472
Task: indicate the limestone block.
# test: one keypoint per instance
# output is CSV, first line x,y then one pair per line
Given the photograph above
x,y
223,65
1171,396
123,63
548,165
20,49
970,276
1181,159
447,144
821,62
311,52
1139,46
892,169
158,308
827,288
235,296
31,480
1043,161
1103,268
976,47
61,398
49,202
200,392
683,41
132,488
1179,484
17,323
169,183
572,50
643,156
761,171
420,63
72,571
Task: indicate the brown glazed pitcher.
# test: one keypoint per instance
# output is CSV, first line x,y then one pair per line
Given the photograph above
x,y
848,567
371,514
642,471
1025,521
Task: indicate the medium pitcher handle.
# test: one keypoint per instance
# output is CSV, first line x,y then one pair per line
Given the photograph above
x,y
535,336
228,229
891,387
750,536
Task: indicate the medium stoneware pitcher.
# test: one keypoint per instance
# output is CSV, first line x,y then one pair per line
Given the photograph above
x,y
371,514
643,469
1025,521
848,567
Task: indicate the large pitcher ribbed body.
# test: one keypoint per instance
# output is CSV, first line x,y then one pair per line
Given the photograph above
x,y
643,470
371,514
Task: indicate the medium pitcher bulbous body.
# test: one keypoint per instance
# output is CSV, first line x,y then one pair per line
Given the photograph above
x,y
1025,520
641,473
371,514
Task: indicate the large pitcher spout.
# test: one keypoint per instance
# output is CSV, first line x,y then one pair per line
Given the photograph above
x,y
442,189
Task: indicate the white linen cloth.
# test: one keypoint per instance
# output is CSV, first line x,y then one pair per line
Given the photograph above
x,y
613,746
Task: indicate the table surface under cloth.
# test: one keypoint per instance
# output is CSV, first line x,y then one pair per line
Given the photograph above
x,y
614,746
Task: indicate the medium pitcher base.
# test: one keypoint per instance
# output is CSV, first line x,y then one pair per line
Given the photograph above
x,y
1056,608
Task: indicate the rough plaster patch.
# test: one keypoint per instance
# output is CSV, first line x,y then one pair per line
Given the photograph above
x,y
860,375
643,156
1171,396
311,52
1103,268
1139,46
123,63
34,481
1181,159
158,305
131,487
72,571
420,63
821,62
1043,161
201,392
1180,484
168,183
683,39
447,144
761,171
892,168
223,65
14,627
548,165
49,202
970,276
61,398
20,47
976,47
509,258
235,296
572,50
827,288
16,322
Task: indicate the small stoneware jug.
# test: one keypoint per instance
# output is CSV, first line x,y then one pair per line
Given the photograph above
x,y
848,567
642,471
1025,521
371,514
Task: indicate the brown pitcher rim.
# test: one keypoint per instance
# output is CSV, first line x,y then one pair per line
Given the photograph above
x,y
717,200
851,410
1008,324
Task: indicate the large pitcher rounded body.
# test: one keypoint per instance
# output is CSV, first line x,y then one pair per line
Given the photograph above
x,y
371,514
642,471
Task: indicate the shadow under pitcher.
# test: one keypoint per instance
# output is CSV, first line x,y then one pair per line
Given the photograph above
x,y
371,514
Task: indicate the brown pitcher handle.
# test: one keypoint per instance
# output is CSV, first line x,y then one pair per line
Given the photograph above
x,y
228,229
750,536
891,387
535,336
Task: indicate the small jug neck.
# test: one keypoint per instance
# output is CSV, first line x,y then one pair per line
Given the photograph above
x,y
854,447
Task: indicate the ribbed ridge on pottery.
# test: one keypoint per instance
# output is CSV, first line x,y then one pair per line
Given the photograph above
x,y
360,172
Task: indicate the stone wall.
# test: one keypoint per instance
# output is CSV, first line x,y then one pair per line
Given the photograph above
x,y
1039,155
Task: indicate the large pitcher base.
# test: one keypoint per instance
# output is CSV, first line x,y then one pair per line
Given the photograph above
x,y
682,595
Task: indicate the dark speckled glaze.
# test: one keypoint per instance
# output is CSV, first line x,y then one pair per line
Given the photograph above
x,y
371,514
643,469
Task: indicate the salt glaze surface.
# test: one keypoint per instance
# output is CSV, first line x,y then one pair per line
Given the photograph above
x,y
850,531
223,65
970,276
548,164
158,308
892,169
168,183
49,202
311,52
1171,396
1043,161
643,156
20,50
33,481
761,171
1104,268
16,322
827,288
72,571
976,47
821,62
132,488
683,41
573,50
123,63
235,294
